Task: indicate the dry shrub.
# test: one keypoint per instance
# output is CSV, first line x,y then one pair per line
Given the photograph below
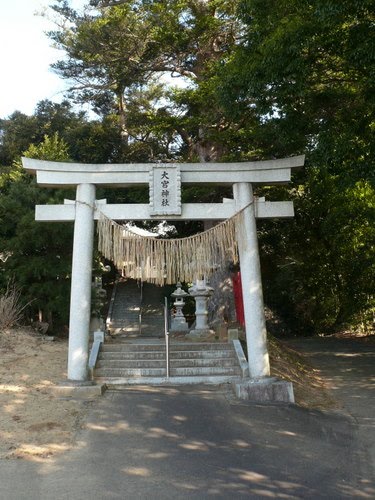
x,y
10,307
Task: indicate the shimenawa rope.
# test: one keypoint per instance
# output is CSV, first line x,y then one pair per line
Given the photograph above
x,y
166,261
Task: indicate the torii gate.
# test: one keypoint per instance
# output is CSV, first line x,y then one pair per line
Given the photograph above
x,y
165,203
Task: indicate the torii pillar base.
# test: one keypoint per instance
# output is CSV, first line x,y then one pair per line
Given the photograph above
x,y
86,390
264,390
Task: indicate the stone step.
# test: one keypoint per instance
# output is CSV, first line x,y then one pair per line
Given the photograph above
x,y
128,302
191,346
130,364
149,322
125,322
161,372
126,306
130,356
125,313
119,323
160,363
116,355
120,305
204,370
152,327
124,329
130,372
119,383
131,308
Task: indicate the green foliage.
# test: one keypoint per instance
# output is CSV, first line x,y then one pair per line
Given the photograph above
x,y
52,148
40,254
256,79
19,131
118,52
319,268
307,70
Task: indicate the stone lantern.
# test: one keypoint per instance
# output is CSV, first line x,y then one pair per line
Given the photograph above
x,y
201,292
178,322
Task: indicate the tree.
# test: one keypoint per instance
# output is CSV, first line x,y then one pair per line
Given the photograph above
x,y
116,51
307,69
18,131
91,141
39,254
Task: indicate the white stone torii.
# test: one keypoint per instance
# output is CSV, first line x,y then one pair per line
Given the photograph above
x,y
86,209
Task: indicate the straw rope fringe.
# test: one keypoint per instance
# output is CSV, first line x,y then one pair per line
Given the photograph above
x,y
166,261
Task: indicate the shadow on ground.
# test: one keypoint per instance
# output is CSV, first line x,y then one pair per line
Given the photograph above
x,y
199,442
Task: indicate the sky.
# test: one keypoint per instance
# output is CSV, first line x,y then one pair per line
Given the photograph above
x,y
26,55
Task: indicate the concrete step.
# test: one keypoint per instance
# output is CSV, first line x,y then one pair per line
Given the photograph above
x,y
130,307
126,305
130,312
123,324
116,355
130,363
204,370
178,346
118,383
124,329
161,372
119,323
153,309
130,372
124,361
160,363
152,327
153,323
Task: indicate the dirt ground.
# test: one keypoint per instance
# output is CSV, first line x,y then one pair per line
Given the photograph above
x,y
311,390
34,424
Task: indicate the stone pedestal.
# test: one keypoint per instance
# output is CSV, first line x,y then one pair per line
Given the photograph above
x,y
201,292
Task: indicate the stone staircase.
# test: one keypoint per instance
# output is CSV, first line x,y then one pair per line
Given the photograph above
x,y
132,317
152,311
124,363
125,310
136,353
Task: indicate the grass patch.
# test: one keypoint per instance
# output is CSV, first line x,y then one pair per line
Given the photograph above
x,y
310,389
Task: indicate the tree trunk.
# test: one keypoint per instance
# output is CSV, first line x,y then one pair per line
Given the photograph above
x,y
124,133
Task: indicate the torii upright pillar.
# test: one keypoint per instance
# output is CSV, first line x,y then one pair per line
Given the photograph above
x,y
256,333
80,296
